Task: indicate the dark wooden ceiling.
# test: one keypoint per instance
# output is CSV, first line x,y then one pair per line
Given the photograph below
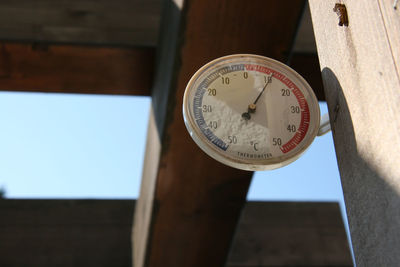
x,y
109,47
188,211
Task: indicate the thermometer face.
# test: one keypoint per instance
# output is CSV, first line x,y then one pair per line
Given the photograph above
x,y
250,112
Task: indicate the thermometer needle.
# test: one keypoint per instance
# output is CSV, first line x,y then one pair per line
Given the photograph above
x,y
252,107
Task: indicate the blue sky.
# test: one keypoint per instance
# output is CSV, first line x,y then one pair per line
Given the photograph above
x,y
71,146
88,146
92,146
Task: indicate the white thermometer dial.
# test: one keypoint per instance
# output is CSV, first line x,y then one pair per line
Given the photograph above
x,y
250,112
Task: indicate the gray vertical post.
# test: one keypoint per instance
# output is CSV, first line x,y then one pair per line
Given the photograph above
x,y
360,70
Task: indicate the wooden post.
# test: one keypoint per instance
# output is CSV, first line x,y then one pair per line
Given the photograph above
x,y
189,204
360,70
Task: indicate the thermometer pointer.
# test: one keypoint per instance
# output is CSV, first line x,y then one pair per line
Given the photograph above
x,y
252,107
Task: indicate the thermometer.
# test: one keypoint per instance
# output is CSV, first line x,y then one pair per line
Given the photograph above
x,y
250,112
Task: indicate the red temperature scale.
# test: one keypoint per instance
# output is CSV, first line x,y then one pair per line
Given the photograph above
x,y
250,112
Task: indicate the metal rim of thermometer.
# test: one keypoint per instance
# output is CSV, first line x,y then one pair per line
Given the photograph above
x,y
250,112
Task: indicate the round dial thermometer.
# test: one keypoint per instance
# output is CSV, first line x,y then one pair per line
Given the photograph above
x,y
250,112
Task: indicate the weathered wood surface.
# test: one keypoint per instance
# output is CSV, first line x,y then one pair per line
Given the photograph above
x,y
76,69
360,70
65,233
290,234
189,208
117,22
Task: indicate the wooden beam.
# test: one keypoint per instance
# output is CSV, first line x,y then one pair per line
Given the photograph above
x,y
307,65
75,69
290,234
102,22
305,41
360,66
62,233
96,233
304,57
189,204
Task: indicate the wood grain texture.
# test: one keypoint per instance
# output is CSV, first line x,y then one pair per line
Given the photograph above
x,y
290,234
391,22
118,22
360,71
75,69
61,233
197,202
